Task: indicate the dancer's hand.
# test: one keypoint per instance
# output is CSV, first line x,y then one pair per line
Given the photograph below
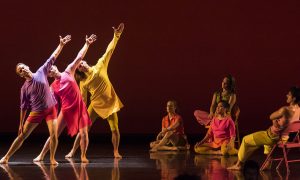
x,y
118,31
65,40
210,116
20,129
91,39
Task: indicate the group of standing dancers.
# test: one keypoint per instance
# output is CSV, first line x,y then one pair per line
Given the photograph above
x,y
41,100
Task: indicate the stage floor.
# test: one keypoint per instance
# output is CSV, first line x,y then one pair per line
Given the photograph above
x,y
137,163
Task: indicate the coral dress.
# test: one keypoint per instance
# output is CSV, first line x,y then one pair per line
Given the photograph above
x,y
72,106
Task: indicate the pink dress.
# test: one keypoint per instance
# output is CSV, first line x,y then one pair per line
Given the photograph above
x,y
72,106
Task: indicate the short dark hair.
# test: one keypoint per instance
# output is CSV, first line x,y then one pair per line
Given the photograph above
x,y
225,104
17,67
295,91
80,76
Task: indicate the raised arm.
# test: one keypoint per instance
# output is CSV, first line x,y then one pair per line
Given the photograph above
x,y
88,41
62,42
212,107
111,46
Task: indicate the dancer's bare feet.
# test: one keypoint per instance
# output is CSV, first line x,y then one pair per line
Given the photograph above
x,y
84,160
53,162
153,150
70,155
117,155
236,167
4,160
38,158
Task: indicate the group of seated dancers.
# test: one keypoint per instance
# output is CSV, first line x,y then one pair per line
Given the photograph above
x,y
64,104
221,120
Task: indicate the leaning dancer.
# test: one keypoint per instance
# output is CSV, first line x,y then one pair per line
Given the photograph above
x,y
36,95
73,113
280,119
104,101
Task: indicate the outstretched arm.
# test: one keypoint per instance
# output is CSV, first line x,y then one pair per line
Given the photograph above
x,y
62,42
110,48
88,41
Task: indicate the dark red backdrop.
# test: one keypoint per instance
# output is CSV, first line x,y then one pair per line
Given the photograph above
x,y
169,49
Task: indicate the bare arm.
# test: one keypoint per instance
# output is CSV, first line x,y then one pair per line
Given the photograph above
x,y
206,137
279,113
232,101
62,43
22,117
111,46
47,65
88,41
212,106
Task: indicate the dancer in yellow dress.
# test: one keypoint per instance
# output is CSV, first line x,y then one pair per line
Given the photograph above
x,y
104,101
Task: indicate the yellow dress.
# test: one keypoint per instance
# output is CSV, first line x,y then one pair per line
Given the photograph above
x,y
104,99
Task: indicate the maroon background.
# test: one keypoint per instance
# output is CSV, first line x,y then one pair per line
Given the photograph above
x,y
169,49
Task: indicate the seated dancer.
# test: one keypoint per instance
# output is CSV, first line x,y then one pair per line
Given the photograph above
x,y
172,135
36,96
280,120
227,94
220,136
104,101
73,113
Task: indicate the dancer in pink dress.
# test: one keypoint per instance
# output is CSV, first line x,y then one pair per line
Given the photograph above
x,y
73,112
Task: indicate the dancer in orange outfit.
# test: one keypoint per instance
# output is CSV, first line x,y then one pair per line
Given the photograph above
x,y
172,135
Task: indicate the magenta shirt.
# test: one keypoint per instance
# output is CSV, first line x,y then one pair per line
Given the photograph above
x,y
222,128
36,94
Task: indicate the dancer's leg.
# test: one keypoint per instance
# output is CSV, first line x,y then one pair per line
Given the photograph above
x,y
61,126
115,138
93,116
249,144
52,127
84,142
28,128
163,142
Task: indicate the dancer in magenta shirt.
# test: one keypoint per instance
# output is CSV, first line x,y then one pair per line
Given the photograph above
x,y
36,96
73,113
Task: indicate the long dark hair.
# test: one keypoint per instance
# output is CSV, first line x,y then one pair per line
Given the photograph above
x,y
79,76
231,83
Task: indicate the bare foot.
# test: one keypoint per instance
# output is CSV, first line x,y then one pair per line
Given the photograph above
x,y
53,162
38,158
70,155
84,160
153,150
235,167
117,155
4,160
